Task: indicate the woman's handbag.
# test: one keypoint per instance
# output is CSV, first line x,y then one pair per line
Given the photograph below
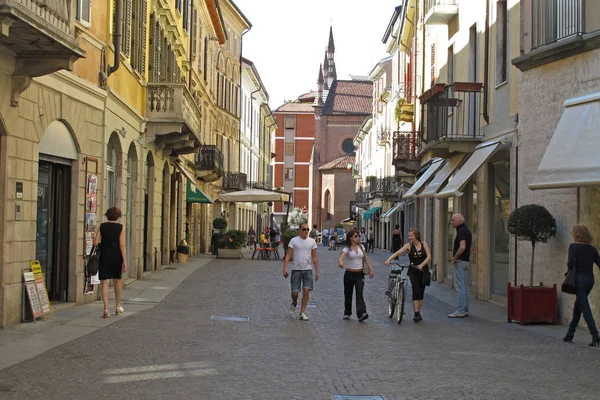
x,y
569,284
426,276
93,263
365,264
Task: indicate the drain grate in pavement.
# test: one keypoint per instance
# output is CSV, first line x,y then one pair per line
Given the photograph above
x,y
229,318
360,397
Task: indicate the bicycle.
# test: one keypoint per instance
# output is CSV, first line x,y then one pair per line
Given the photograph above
x,y
397,287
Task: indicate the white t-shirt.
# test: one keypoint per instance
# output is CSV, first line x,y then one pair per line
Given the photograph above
x,y
353,260
302,252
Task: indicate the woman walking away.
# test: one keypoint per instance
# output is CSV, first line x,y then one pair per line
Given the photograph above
x,y
111,237
420,256
396,239
354,278
582,257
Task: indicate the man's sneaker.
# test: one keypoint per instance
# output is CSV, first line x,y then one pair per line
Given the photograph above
x,y
346,316
303,317
293,308
467,313
363,317
456,314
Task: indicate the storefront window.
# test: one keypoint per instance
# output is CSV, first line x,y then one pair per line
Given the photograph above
x,y
500,274
450,241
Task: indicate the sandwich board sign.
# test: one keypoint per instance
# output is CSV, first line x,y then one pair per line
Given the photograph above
x,y
38,275
32,295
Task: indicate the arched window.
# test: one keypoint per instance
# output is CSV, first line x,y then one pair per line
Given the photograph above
x,y
113,160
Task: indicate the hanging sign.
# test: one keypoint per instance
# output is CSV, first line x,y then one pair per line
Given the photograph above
x,y
32,295
36,269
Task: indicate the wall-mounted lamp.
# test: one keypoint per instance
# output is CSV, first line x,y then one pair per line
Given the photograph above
x,y
140,140
122,131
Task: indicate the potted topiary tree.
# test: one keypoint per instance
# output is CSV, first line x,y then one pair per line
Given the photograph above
x,y
219,225
229,244
527,304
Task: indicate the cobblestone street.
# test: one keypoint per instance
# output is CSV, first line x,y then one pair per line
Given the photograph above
x,y
175,350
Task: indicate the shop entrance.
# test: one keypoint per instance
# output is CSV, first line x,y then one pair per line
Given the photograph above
x,y
52,241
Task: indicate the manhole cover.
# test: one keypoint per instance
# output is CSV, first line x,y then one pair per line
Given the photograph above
x,y
360,397
229,318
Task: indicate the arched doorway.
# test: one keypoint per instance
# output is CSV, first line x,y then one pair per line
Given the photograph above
x,y
148,207
57,154
113,172
165,215
130,211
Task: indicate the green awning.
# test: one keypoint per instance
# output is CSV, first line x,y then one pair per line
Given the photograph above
x,y
195,195
369,213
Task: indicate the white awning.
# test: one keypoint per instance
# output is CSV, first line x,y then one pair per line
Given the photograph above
x,y
571,158
254,196
433,168
188,175
388,214
480,156
442,176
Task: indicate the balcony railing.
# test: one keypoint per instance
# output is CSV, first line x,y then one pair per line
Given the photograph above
x,y
407,145
209,163
453,111
234,181
439,12
553,20
362,198
173,102
376,187
405,92
383,136
390,187
259,185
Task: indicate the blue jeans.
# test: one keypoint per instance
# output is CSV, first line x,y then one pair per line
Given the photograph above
x,y
462,285
582,305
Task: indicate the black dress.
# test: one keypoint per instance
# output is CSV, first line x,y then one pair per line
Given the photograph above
x,y
416,277
111,259
396,241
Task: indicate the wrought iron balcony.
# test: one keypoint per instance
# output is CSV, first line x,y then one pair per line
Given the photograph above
x,y
40,35
375,187
452,115
173,117
260,185
209,163
234,181
553,20
406,149
440,12
362,199
405,92
390,188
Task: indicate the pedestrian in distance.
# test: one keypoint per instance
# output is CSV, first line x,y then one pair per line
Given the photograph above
x,y
460,261
303,250
363,238
110,238
354,278
371,241
582,256
333,238
325,237
419,256
396,239
314,233
251,237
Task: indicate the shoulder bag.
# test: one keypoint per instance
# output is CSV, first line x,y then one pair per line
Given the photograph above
x,y
93,262
569,284
365,264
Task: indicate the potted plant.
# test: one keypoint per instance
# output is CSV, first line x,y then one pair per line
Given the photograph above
x,y
229,244
370,178
219,225
527,304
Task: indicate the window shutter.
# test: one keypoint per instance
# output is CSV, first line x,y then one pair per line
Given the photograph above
x,y
83,12
126,38
142,58
433,64
195,34
114,15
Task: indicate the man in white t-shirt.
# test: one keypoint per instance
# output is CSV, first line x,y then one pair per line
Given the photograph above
x,y
303,251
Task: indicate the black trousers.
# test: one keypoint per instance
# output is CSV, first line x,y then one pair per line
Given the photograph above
x,y
416,280
352,281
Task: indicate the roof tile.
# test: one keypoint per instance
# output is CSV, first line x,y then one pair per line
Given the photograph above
x,y
349,98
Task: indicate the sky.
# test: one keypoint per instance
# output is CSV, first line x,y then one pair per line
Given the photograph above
x,y
288,39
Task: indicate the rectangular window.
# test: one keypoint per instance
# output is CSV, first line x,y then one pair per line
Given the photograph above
x,y
289,148
501,39
433,64
289,174
451,64
290,123
83,12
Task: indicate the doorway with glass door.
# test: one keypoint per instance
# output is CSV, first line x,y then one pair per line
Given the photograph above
x,y
52,225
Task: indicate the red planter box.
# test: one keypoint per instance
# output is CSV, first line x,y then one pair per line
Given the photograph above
x,y
536,304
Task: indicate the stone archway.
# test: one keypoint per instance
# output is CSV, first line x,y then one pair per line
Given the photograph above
x,y
131,212
148,263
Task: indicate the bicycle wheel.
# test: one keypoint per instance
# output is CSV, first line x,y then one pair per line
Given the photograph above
x,y
400,303
391,304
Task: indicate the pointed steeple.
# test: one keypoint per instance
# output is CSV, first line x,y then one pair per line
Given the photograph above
x,y
320,80
331,46
319,99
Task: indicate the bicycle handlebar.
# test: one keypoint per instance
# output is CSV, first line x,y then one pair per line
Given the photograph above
x,y
402,266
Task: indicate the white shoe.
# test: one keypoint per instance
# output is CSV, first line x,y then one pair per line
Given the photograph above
x,y
346,316
456,314
293,309
303,317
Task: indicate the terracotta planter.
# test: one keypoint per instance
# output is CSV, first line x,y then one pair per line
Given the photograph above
x,y
235,254
532,304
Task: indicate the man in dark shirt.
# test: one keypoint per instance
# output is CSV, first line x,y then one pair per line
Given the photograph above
x,y
460,261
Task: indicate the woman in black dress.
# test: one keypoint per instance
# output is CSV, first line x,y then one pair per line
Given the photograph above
x,y
396,239
111,237
582,257
419,255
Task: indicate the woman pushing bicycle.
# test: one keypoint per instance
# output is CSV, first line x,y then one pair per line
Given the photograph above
x,y
419,255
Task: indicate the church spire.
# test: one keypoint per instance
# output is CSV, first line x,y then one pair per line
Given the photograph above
x,y
320,80
331,46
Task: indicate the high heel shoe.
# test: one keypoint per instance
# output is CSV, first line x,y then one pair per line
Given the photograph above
x,y
106,314
595,341
119,310
568,338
